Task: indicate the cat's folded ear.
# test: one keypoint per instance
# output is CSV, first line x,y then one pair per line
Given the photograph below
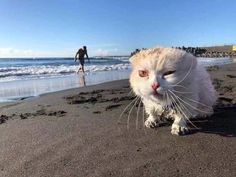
x,y
133,59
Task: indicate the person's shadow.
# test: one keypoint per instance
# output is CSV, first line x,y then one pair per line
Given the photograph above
x,y
222,122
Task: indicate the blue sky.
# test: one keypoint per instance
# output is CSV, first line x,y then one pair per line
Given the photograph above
x,y
42,28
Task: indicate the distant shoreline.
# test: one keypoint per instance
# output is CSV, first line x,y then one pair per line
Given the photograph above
x,y
26,98
16,90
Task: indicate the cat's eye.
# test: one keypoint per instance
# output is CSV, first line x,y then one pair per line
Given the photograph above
x,y
168,73
143,73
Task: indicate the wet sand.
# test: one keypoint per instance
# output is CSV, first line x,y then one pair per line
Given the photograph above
x,y
78,132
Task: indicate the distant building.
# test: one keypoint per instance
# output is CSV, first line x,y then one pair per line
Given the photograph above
x,y
223,48
234,48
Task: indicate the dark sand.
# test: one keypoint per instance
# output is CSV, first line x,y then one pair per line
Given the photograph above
x,y
77,133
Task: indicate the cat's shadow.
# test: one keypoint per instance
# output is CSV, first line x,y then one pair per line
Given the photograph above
x,y
221,123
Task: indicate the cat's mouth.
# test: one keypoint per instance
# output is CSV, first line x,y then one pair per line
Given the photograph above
x,y
157,94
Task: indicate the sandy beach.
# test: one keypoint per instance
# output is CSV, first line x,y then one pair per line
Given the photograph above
x,y
78,133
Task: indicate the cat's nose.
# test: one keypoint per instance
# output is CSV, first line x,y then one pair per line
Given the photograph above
x,y
155,85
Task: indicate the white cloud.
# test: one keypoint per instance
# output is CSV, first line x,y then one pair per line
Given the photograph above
x,y
101,52
106,52
9,52
12,52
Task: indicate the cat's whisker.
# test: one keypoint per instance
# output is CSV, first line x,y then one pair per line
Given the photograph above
x,y
181,92
175,105
181,111
178,107
137,116
168,100
186,75
182,107
144,120
181,104
127,108
130,92
179,86
131,111
177,100
171,101
188,119
192,105
195,101
165,98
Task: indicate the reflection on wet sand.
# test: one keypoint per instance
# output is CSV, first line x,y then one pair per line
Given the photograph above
x,y
26,88
82,80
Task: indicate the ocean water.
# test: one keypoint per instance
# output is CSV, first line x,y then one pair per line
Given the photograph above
x,y
23,69
28,77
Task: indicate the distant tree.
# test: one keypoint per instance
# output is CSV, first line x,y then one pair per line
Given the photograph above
x,y
134,52
183,48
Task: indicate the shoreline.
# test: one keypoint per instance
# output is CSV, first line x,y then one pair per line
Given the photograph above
x,y
20,89
124,75
19,99
31,88
23,99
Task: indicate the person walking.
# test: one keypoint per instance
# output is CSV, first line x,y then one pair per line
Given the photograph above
x,y
80,54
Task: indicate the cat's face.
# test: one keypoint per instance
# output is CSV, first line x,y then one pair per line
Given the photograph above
x,y
160,69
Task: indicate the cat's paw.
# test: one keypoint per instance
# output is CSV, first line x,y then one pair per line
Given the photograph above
x,y
151,123
179,130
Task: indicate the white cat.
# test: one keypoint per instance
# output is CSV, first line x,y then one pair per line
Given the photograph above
x,y
171,84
